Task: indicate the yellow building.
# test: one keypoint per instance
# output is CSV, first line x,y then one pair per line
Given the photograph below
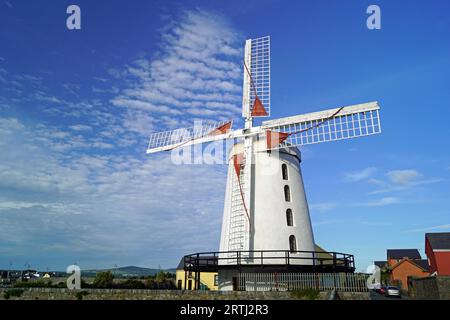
x,y
208,280
323,255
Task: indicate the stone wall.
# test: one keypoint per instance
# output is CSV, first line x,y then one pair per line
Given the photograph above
x,y
123,294
430,288
443,284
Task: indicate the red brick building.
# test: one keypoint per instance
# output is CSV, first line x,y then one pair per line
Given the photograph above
x,y
437,248
403,263
394,256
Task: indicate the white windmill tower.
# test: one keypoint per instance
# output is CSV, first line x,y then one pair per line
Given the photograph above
x,y
266,214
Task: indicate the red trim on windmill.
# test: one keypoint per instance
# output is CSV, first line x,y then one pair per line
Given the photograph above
x,y
221,130
237,162
274,138
258,109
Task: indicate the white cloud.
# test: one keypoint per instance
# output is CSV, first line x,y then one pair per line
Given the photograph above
x,y
19,204
102,145
360,175
434,228
382,202
329,206
389,188
80,127
103,194
376,182
100,79
322,207
403,177
81,192
9,125
45,98
196,74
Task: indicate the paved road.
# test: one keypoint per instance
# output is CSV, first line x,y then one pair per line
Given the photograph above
x,y
377,296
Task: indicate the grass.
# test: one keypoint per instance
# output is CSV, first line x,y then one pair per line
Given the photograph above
x,y
305,294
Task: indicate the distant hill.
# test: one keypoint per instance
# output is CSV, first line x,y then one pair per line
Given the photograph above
x,y
126,272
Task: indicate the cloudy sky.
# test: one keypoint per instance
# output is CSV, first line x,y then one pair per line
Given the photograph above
x,y
77,108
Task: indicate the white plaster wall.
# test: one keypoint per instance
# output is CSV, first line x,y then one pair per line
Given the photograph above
x,y
271,231
268,215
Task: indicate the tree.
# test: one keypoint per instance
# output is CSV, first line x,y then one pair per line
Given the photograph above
x,y
161,276
103,280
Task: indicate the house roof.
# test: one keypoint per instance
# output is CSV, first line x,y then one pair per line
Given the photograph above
x,y
422,264
201,260
380,264
403,253
181,264
439,240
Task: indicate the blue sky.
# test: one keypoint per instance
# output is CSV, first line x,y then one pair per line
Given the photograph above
x,y
77,107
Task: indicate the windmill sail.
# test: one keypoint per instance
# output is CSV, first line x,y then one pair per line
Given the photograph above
x,y
206,132
256,90
323,126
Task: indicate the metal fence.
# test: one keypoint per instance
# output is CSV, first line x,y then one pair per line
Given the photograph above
x,y
316,260
345,282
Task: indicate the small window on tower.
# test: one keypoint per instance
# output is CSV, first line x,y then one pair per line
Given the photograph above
x,y
284,170
289,218
287,194
292,244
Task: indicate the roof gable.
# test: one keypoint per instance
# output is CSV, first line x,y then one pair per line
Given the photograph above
x,y
403,253
421,264
439,241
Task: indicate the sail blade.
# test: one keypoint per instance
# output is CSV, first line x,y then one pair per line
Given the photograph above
x,y
200,133
256,87
329,125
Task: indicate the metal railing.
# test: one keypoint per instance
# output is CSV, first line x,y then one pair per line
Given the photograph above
x,y
274,281
212,261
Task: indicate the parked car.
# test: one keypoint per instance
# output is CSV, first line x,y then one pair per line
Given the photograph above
x,y
381,290
393,292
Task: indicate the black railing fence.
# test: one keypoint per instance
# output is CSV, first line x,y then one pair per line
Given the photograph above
x,y
316,260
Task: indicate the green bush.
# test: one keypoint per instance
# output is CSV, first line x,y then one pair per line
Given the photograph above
x,y
12,293
308,294
151,284
161,276
80,294
103,280
85,284
131,284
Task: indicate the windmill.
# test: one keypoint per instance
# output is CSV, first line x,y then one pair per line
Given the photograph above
x,y
265,205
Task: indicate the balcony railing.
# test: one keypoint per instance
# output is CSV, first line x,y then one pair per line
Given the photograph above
x,y
315,260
